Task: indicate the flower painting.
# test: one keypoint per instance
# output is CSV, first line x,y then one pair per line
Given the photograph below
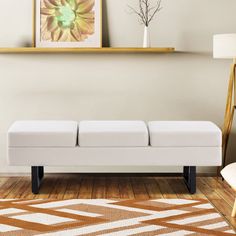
x,y
68,23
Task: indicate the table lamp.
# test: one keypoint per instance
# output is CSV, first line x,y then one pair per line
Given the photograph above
x,y
224,47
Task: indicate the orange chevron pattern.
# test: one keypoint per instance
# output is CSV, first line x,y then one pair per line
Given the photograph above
x,y
167,217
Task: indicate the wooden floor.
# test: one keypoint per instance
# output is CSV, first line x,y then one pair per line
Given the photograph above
x,y
122,187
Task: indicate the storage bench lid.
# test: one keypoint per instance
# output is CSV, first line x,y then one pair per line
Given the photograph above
x,y
43,134
184,134
113,134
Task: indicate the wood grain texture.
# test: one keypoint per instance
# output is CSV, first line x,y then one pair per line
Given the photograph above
x,y
218,192
33,50
86,188
99,188
126,190
112,188
229,114
166,190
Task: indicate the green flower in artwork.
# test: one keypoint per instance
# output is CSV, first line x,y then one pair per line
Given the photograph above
x,y
67,20
66,16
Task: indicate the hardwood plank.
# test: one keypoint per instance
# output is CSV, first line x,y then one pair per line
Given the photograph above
x,y
59,189
139,188
153,188
165,188
48,185
199,194
225,193
211,194
8,186
216,199
73,187
21,189
126,190
112,188
3,180
180,188
4,183
99,189
214,182
86,188
225,210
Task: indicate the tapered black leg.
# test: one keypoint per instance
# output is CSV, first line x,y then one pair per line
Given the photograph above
x,y
37,173
190,178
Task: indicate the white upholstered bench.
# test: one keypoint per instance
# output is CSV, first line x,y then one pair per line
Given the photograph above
x,y
114,143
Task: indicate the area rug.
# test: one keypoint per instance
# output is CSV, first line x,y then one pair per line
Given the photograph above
x,y
167,217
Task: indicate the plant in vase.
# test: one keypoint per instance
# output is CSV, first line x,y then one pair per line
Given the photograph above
x,y
146,13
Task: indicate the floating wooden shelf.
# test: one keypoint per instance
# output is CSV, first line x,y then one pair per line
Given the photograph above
x,y
33,50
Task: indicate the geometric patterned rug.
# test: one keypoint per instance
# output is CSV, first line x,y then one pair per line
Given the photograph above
x,y
166,217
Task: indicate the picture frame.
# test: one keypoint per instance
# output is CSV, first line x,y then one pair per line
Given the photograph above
x,y
67,24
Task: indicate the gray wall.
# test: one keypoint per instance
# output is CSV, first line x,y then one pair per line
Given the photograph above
x,y
187,85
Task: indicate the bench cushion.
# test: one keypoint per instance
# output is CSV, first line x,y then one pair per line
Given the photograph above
x,y
184,134
113,134
43,134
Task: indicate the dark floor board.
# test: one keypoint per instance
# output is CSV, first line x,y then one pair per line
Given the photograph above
x,y
166,190
112,188
180,188
126,190
99,189
139,188
152,188
9,186
86,188
73,187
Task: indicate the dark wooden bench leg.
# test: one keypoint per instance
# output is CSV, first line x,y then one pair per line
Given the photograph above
x,y
190,178
37,173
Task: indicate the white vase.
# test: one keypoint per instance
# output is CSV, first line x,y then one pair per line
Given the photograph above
x,y
146,38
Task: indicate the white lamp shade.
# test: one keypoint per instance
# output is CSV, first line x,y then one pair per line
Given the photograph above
x,y
224,46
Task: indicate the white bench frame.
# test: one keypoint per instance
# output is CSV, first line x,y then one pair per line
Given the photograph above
x,y
37,158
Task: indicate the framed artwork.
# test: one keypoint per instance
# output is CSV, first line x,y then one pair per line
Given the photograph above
x,y
67,23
